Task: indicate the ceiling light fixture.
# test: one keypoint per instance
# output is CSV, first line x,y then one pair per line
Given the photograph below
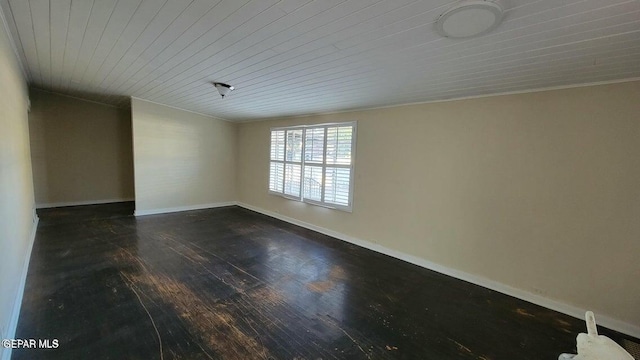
x,y
223,89
469,18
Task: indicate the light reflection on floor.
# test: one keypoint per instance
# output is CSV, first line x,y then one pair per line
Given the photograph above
x,y
315,283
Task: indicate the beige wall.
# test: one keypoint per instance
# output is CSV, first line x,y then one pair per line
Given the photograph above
x,y
538,191
16,187
81,151
182,159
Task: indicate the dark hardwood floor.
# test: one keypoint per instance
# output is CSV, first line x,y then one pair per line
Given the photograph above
x,y
229,283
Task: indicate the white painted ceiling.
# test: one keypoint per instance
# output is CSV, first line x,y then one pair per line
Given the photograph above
x,y
294,57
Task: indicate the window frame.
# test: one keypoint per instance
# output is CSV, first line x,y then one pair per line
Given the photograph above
x,y
324,165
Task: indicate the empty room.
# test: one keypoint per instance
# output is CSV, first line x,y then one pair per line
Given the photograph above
x,y
320,179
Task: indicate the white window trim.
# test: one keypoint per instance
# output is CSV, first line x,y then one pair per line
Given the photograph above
x,y
348,208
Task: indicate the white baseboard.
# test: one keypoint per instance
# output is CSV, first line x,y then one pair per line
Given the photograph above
x,y
79,203
13,321
571,310
183,208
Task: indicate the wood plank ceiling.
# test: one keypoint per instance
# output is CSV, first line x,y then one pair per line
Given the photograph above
x,y
293,57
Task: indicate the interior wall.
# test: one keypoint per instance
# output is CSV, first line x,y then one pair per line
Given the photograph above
x,y
16,187
537,191
81,151
182,159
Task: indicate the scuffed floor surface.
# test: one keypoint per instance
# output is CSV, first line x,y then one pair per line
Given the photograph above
x,y
229,283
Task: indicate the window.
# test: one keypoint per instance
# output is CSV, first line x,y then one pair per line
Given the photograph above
x,y
314,164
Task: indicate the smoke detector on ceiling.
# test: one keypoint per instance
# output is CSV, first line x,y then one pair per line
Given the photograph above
x,y
469,18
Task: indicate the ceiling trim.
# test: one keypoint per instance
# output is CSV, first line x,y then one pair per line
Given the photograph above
x,y
506,93
12,42
179,108
74,97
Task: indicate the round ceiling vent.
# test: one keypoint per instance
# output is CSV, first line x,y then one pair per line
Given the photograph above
x,y
469,18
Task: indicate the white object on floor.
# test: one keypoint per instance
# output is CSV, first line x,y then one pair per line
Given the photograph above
x,y
592,346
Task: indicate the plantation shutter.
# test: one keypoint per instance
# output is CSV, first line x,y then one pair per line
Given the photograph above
x,y
314,164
